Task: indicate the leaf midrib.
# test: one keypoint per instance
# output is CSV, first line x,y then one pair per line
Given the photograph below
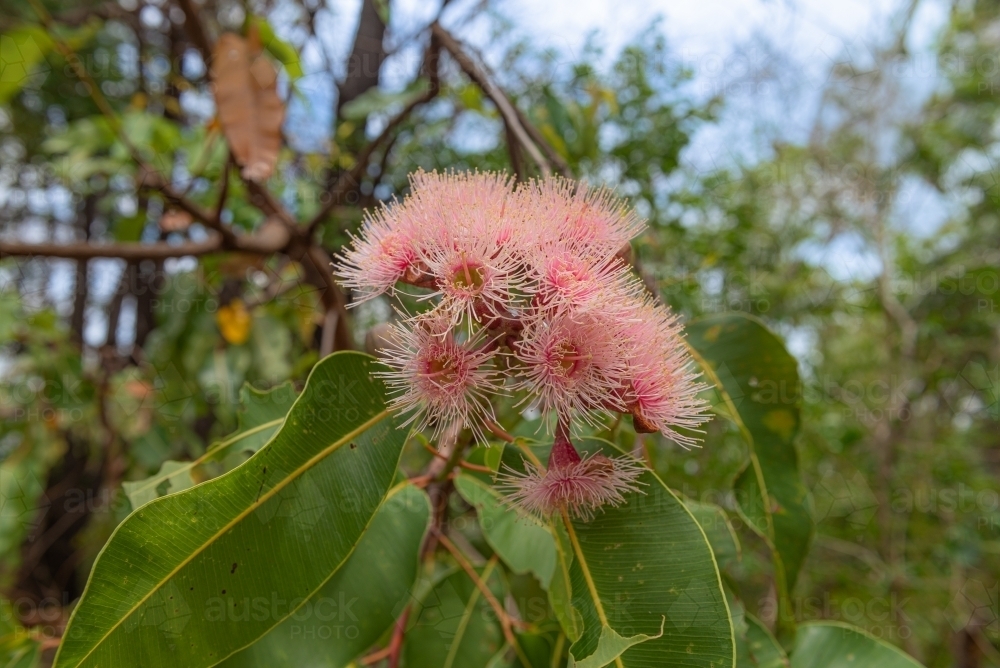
x,y
578,549
312,461
591,585
156,480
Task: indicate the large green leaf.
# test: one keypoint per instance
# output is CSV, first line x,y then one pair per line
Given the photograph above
x,y
647,585
759,383
719,531
455,626
191,578
360,601
261,415
838,645
523,542
763,646
756,646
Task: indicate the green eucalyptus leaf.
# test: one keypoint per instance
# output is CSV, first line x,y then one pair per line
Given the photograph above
x,y
610,646
271,342
759,383
719,531
360,601
279,49
23,503
261,416
172,477
838,645
455,626
756,646
489,456
173,584
82,138
19,648
645,570
522,541
763,647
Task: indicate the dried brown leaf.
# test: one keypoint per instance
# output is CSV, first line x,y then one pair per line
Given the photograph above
x,y
250,111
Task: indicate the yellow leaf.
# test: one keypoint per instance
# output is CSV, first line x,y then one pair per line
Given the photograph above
x,y
234,322
307,324
345,129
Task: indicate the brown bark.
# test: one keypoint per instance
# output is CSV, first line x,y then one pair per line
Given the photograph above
x,y
366,57
80,287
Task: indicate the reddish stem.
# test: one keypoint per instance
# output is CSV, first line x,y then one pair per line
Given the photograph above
x,y
396,644
563,453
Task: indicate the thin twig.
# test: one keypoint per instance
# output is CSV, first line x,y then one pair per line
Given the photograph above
x,y
461,462
220,204
505,621
421,481
516,123
349,179
193,26
198,170
984,645
531,455
396,644
316,262
499,431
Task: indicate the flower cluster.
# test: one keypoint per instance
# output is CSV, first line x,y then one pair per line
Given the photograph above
x,y
531,295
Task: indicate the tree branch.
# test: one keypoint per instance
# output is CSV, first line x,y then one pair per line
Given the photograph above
x,y
193,27
366,57
316,263
506,623
517,123
154,181
350,179
125,250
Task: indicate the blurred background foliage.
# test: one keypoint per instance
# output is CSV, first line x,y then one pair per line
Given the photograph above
x,y
111,367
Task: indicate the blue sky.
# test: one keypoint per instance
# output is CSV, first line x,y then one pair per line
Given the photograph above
x,y
763,55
